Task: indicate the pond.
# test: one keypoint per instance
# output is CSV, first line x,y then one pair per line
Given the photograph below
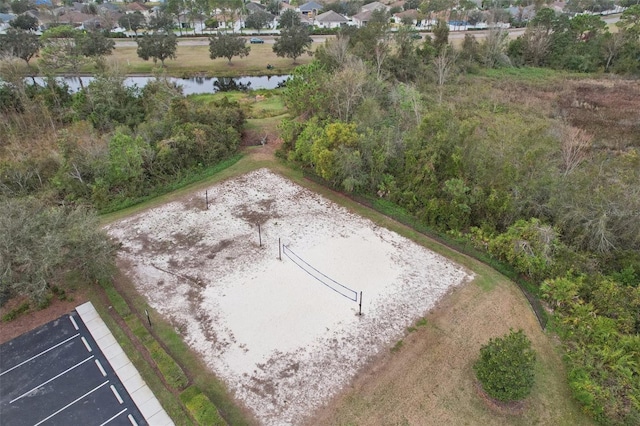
x,y
195,85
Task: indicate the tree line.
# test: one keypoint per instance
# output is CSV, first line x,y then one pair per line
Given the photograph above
x,y
64,156
494,163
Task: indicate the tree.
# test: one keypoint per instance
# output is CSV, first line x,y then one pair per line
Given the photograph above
x,y
227,46
20,6
493,48
158,46
441,35
346,88
61,52
334,52
274,6
506,367
94,44
575,144
292,43
40,245
25,22
172,9
444,65
19,44
133,22
289,18
258,20
630,20
161,22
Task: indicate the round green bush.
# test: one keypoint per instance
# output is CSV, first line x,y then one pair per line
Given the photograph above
x,y
506,367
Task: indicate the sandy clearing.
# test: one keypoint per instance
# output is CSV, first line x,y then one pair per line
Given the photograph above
x,y
283,342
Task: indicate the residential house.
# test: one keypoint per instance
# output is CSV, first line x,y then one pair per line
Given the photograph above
x,y
255,7
5,18
412,14
330,19
361,19
310,9
137,7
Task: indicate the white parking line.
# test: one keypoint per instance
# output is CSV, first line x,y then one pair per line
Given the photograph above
x,y
41,353
71,403
115,392
75,325
86,344
113,417
104,373
51,379
132,420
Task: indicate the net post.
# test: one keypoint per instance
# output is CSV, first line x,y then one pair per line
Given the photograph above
x,y
259,236
279,250
206,199
360,305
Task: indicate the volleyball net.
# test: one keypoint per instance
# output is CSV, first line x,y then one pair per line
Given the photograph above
x,y
329,282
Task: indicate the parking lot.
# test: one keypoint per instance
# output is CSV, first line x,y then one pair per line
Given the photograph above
x,y
57,375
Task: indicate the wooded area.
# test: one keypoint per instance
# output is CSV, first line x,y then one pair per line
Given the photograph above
x,y
540,171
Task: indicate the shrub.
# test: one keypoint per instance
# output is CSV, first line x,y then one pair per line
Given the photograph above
x,y
200,407
506,367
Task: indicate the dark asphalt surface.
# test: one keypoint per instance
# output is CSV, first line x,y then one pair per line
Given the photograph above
x,y
57,375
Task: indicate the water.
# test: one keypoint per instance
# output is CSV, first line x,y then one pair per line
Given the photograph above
x,y
195,85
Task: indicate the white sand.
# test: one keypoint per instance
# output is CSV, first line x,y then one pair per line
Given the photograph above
x,y
283,342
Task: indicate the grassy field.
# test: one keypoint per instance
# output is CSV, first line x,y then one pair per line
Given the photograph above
x,y
194,60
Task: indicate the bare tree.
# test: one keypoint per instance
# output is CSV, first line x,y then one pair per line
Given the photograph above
x,y
613,44
493,48
444,65
338,49
347,88
574,148
537,41
381,51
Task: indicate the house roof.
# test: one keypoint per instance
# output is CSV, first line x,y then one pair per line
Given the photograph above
x,y
254,7
311,6
373,6
136,7
411,13
331,16
399,3
74,17
6,17
364,16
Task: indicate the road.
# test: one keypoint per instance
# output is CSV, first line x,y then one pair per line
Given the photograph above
x,y
270,39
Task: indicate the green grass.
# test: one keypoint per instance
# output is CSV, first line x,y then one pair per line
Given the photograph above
x,y
167,399
120,208
16,312
202,410
194,60
173,374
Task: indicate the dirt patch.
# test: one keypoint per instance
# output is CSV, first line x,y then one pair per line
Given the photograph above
x,y
607,109
27,322
509,408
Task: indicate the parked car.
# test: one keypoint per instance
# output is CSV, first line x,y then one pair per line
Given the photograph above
x,y
256,40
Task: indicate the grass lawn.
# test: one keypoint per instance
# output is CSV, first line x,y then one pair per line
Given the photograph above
x,y
194,60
